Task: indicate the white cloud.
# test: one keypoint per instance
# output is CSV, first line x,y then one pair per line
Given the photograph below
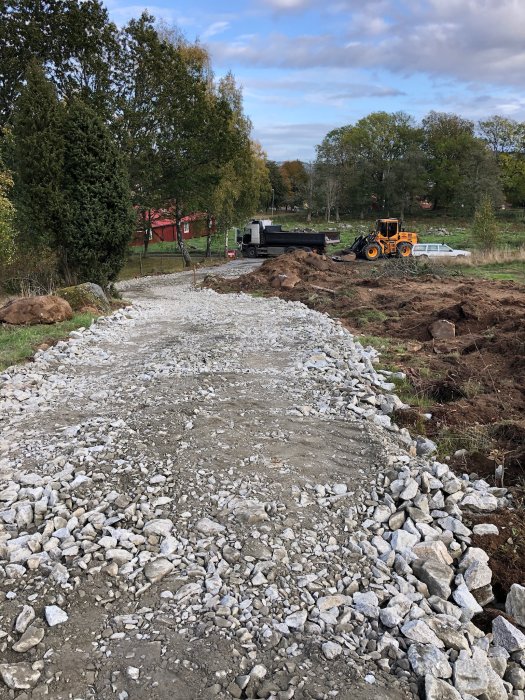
x,y
467,40
214,29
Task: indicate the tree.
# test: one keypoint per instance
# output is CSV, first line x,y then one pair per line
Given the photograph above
x,y
485,228
501,134
453,156
7,215
512,168
243,176
277,194
35,155
295,179
333,169
99,219
506,138
73,39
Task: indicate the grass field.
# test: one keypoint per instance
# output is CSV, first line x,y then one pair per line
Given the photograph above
x,y
18,343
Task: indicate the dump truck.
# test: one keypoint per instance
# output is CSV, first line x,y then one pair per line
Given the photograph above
x,y
261,238
388,239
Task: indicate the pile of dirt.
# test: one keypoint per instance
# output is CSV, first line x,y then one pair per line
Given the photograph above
x,y
473,384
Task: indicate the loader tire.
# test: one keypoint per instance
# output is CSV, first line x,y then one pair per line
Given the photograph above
x,y
372,251
404,250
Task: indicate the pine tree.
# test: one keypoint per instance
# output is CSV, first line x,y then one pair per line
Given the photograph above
x,y
99,222
35,157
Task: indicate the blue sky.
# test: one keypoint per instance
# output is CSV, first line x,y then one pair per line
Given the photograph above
x,y
307,66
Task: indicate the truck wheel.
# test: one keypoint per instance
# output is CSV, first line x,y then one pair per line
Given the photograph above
x,y
404,250
372,251
251,252
290,250
309,250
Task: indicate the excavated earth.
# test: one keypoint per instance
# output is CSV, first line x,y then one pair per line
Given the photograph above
x,y
473,385
205,496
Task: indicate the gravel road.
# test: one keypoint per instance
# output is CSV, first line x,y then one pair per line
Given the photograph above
x,y
183,492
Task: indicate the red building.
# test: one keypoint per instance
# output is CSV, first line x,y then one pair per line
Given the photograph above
x,y
163,227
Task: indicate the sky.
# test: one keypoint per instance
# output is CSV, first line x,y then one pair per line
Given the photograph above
x,y
309,66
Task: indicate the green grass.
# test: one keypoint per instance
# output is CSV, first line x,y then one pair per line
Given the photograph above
x,y
18,343
364,316
510,270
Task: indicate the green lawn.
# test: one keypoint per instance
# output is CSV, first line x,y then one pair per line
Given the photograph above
x,y
18,343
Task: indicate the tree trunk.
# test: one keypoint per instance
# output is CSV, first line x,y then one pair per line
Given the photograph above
x,y
337,212
208,237
309,216
180,240
147,229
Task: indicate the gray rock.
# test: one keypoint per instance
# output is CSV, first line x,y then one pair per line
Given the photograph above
x,y
466,602
31,637
296,620
160,527
424,446
515,675
410,490
250,512
333,601
24,618
507,636
484,529
473,555
471,674
435,549
515,603
428,659
331,650
448,629
403,540
19,676
382,514
480,502
483,595
436,689
396,520
454,525
157,569
498,657
477,575
55,615
367,604
436,575
209,527
419,631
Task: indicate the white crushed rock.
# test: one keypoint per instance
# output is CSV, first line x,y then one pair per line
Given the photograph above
x,y
377,569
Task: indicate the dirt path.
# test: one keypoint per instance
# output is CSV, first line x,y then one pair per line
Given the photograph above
x,y
185,492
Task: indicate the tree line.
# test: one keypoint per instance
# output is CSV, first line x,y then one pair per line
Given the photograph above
x,y
100,123
386,162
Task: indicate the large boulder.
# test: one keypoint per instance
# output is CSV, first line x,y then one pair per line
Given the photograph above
x,y
85,295
29,311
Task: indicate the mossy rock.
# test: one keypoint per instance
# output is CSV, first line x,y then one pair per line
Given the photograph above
x,y
87,294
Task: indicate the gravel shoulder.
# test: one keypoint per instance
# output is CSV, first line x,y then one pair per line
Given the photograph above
x,y
190,507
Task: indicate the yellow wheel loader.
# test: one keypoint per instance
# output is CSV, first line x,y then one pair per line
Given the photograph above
x,y
387,240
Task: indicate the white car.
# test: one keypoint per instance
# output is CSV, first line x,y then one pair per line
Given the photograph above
x,y
438,250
